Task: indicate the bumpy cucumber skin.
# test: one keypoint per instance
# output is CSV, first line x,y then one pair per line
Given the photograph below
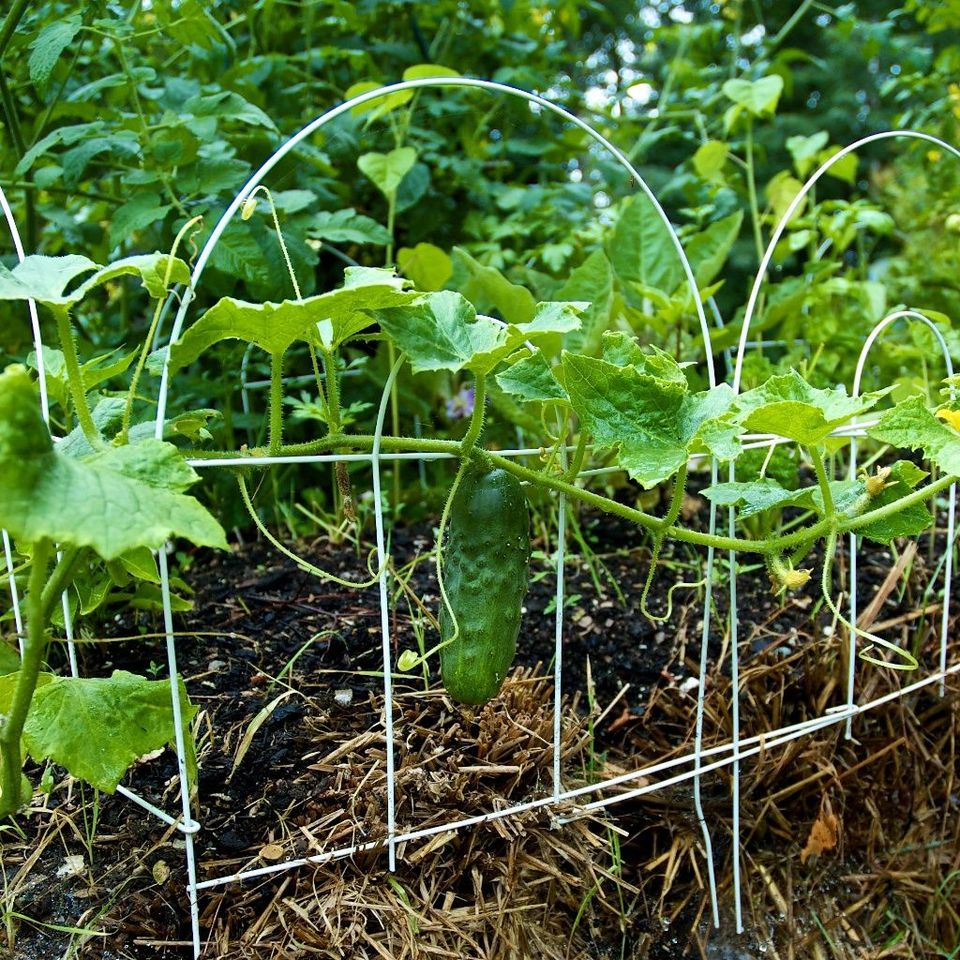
x,y
486,575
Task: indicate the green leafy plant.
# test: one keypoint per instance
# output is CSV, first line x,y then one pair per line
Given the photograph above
x,y
67,502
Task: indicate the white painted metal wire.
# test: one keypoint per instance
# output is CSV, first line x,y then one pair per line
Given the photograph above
x,y
688,767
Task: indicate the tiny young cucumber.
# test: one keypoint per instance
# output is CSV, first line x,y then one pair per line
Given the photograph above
x,y
485,572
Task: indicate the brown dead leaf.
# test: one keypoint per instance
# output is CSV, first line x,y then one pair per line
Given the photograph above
x,y
823,836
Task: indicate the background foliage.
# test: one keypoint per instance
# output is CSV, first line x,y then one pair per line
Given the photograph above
x,y
121,121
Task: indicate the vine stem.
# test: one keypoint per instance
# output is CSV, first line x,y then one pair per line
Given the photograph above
x,y
907,662
364,443
158,310
276,403
829,510
11,728
472,435
670,517
299,561
414,662
75,377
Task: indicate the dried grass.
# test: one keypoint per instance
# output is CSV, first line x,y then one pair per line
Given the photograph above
x,y
509,889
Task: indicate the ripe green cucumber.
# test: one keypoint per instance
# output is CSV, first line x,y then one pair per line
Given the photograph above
x,y
485,574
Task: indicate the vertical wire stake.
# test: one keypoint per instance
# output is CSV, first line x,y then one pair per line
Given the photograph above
x,y
701,694
14,594
180,743
558,644
947,583
385,618
735,721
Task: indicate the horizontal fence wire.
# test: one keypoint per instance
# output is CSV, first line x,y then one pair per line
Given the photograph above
x,y
748,747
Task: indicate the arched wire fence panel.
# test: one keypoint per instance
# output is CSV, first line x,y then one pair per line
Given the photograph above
x,y
375,458
875,334
752,304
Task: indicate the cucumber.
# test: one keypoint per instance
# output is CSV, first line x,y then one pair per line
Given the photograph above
x,y
485,573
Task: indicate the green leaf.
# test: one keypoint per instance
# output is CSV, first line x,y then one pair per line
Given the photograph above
x,y
530,378
49,44
9,659
908,522
755,496
347,226
428,70
46,279
805,150
114,501
427,266
709,249
228,105
781,191
489,290
386,170
441,332
911,426
788,406
710,159
336,315
142,211
592,282
98,727
378,106
652,421
641,248
758,97
65,135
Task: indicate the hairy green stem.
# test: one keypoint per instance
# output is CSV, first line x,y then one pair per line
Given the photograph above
x,y
669,518
579,454
476,419
11,727
62,576
276,404
364,443
823,480
10,22
75,377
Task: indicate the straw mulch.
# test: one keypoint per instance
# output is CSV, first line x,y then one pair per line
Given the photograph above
x,y
516,888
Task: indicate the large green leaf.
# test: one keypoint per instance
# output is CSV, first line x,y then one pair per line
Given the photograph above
x,y
709,249
273,327
788,406
758,97
911,426
347,226
45,279
443,332
591,281
113,501
48,46
651,419
642,249
96,728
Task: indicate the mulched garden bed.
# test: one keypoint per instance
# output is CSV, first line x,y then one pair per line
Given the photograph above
x,y
283,668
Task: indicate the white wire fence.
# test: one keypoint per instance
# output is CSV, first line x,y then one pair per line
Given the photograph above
x,y
690,767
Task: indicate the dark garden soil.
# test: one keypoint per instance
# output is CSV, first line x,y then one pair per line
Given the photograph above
x,y
851,847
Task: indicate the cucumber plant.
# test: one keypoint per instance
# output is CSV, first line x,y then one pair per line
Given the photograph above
x,y
108,490
631,405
